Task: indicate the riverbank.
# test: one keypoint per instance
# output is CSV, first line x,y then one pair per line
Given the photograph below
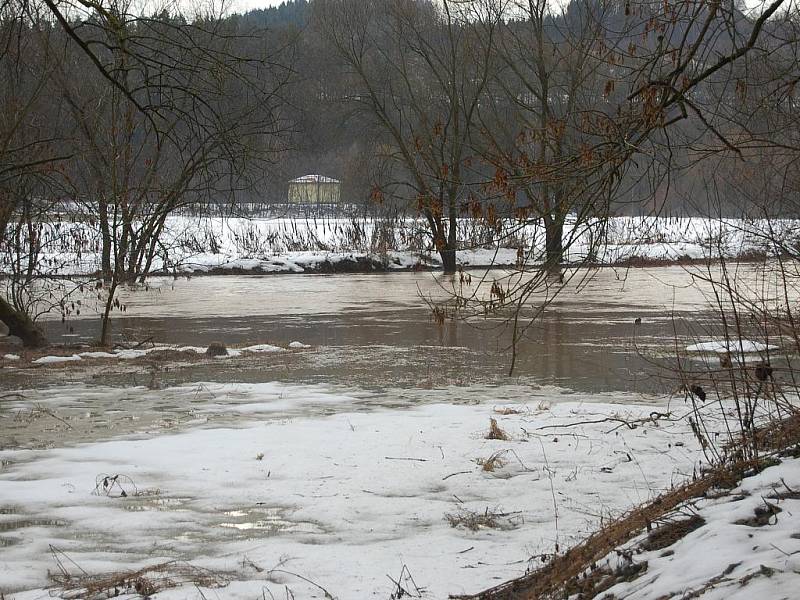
x,y
730,532
195,245
328,264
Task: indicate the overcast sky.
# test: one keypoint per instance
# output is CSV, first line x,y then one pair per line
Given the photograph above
x,y
241,6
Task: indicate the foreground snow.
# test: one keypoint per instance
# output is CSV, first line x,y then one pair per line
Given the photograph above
x,y
328,485
747,548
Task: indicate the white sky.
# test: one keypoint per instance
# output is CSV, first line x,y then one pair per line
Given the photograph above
x,y
241,6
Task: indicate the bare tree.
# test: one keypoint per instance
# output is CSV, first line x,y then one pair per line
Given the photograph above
x,y
593,93
164,112
31,150
549,88
420,70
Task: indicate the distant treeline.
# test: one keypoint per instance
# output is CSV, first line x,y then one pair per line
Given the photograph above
x,y
332,135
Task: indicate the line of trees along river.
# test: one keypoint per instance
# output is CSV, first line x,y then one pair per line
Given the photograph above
x,y
482,108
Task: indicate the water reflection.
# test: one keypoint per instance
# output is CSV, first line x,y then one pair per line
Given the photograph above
x,y
300,295
376,329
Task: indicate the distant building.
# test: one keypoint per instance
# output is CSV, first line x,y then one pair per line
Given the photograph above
x,y
314,189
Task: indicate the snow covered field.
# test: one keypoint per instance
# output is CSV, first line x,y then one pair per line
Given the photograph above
x,y
195,244
272,485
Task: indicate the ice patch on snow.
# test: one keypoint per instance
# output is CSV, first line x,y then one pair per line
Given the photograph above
x,y
46,360
726,346
263,348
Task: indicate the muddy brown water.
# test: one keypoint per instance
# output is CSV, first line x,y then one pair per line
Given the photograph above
x,y
376,330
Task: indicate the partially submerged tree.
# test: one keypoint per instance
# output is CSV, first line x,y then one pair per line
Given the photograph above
x,y
31,148
161,113
597,91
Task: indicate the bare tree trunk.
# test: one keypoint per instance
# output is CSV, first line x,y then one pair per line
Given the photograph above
x,y
105,234
554,244
105,332
21,325
448,259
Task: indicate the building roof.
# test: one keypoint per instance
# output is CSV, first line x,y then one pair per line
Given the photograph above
x,y
314,179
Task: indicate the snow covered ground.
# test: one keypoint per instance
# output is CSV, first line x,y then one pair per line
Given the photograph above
x,y
746,547
274,485
195,244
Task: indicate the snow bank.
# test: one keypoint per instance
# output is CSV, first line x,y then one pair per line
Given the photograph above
x,y
98,355
203,244
734,555
129,354
47,360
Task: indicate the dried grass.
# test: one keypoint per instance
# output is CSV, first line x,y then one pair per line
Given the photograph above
x,y
143,582
671,531
762,515
495,433
488,519
597,581
494,462
782,435
168,354
216,349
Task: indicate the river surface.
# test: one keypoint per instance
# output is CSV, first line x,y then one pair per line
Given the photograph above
x,y
377,330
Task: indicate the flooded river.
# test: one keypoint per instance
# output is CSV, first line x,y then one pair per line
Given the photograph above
x,y
377,330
